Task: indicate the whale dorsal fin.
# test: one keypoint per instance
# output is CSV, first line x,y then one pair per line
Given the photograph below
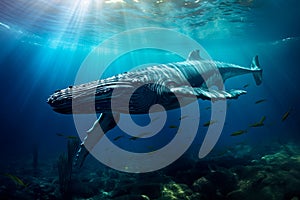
x,y
194,55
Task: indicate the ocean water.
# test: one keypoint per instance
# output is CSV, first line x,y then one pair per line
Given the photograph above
x,y
45,43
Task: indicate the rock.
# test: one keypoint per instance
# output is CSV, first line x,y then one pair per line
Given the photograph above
x,y
196,196
217,184
269,182
174,191
202,185
152,190
278,158
110,184
188,176
269,193
97,184
262,193
236,195
224,180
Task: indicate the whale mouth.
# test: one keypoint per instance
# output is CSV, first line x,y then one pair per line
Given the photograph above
x,y
80,96
92,97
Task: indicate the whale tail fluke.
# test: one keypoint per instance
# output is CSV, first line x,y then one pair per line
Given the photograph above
x,y
257,70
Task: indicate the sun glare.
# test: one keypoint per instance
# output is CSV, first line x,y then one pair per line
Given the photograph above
x,y
114,1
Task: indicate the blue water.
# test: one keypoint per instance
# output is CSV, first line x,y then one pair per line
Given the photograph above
x,y
43,44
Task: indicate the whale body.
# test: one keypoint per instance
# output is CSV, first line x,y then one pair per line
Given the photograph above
x,y
152,85
159,84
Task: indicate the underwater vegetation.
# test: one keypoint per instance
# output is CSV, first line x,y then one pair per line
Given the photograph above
x,y
65,166
16,180
238,172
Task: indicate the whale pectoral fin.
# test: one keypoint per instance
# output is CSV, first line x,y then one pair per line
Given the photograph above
x,y
184,91
205,94
236,93
218,94
102,125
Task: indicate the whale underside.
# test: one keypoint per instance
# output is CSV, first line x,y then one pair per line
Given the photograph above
x,y
135,92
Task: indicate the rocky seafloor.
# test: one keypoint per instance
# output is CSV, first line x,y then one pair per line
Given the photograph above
x,y
273,175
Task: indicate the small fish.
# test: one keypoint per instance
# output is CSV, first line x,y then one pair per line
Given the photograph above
x,y
183,117
173,126
256,124
246,85
139,136
16,180
118,137
260,101
133,138
260,123
71,137
59,134
285,115
209,123
239,132
262,119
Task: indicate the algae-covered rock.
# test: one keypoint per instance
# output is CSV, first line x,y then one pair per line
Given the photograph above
x,y
289,153
264,193
269,181
276,159
174,191
202,185
217,184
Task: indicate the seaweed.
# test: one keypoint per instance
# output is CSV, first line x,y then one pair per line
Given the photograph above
x,y
64,164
